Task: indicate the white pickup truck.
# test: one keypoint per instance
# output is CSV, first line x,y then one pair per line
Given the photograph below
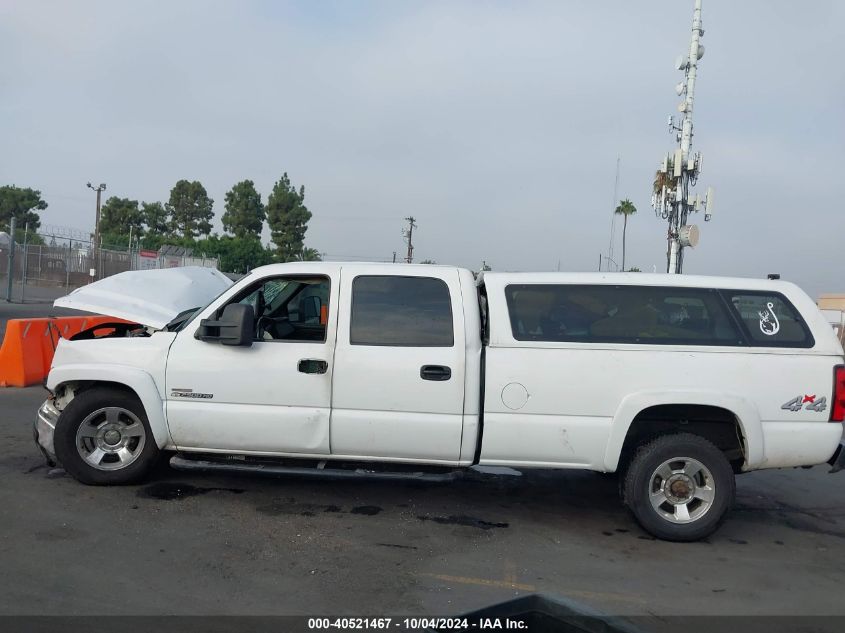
x,y
674,382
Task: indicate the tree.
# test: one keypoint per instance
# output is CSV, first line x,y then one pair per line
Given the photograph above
x,y
120,215
154,242
244,212
309,255
155,218
22,204
664,178
428,261
22,236
288,218
115,241
236,254
625,208
190,209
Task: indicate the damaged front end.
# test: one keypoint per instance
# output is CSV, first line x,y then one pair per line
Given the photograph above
x,y
47,417
45,427
111,329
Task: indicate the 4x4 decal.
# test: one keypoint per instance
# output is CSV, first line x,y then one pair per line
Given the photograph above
x,y
813,404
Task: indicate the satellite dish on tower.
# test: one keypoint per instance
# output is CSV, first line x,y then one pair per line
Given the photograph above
x,y
689,235
680,88
700,51
681,62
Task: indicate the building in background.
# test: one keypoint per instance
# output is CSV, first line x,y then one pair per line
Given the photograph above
x,y
833,309
169,256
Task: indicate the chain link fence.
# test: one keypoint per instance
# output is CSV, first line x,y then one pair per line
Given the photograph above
x,y
73,264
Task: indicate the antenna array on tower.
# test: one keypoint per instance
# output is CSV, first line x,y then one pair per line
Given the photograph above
x,y
679,170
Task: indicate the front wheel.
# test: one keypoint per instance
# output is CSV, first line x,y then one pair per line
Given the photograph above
x,y
103,438
679,487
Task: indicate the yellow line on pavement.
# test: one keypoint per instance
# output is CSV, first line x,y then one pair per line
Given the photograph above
x,y
482,581
598,596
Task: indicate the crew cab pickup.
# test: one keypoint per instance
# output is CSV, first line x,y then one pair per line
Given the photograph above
x,y
674,382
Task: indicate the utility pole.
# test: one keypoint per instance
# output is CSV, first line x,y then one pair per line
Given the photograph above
x,y
613,209
409,237
131,267
95,247
678,173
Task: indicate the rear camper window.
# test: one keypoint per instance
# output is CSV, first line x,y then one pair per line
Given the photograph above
x,y
770,319
620,314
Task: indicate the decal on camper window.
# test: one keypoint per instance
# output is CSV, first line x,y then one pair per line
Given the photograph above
x,y
769,324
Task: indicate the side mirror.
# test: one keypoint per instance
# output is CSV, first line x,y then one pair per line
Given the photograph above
x,y
236,326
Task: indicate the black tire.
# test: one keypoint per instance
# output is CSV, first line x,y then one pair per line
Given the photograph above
x,y
68,425
641,479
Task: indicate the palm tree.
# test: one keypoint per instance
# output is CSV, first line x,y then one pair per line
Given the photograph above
x,y
625,208
663,179
309,255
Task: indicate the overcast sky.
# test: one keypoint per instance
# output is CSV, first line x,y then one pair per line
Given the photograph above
x,y
497,125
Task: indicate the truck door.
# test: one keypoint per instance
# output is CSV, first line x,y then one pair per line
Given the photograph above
x,y
272,397
398,390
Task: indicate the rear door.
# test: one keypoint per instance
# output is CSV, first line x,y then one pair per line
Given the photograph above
x,y
399,365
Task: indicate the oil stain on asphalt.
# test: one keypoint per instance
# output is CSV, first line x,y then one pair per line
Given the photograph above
x,y
167,491
291,506
463,520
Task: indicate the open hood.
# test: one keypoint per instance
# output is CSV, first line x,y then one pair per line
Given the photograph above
x,y
149,297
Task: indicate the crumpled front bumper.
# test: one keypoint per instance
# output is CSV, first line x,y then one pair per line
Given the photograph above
x,y
44,428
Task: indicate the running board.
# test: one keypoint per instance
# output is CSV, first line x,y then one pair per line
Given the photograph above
x,y
181,463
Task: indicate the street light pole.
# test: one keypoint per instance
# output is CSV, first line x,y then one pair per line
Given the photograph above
x,y
11,264
96,244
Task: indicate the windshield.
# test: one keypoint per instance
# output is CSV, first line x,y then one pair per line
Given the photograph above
x,y
181,320
177,322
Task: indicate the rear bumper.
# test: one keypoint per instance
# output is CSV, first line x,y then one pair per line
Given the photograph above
x,y
788,444
838,459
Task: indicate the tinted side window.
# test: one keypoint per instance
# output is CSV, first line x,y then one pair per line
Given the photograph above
x,y
401,311
770,319
620,314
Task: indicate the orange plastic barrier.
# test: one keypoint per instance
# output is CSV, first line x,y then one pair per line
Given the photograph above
x,y
29,345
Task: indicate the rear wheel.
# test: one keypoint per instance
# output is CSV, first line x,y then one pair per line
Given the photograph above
x,y
679,487
103,437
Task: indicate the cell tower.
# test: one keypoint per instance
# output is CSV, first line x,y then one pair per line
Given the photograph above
x,y
672,197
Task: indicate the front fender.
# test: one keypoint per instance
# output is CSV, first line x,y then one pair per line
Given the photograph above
x,y
745,411
135,379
